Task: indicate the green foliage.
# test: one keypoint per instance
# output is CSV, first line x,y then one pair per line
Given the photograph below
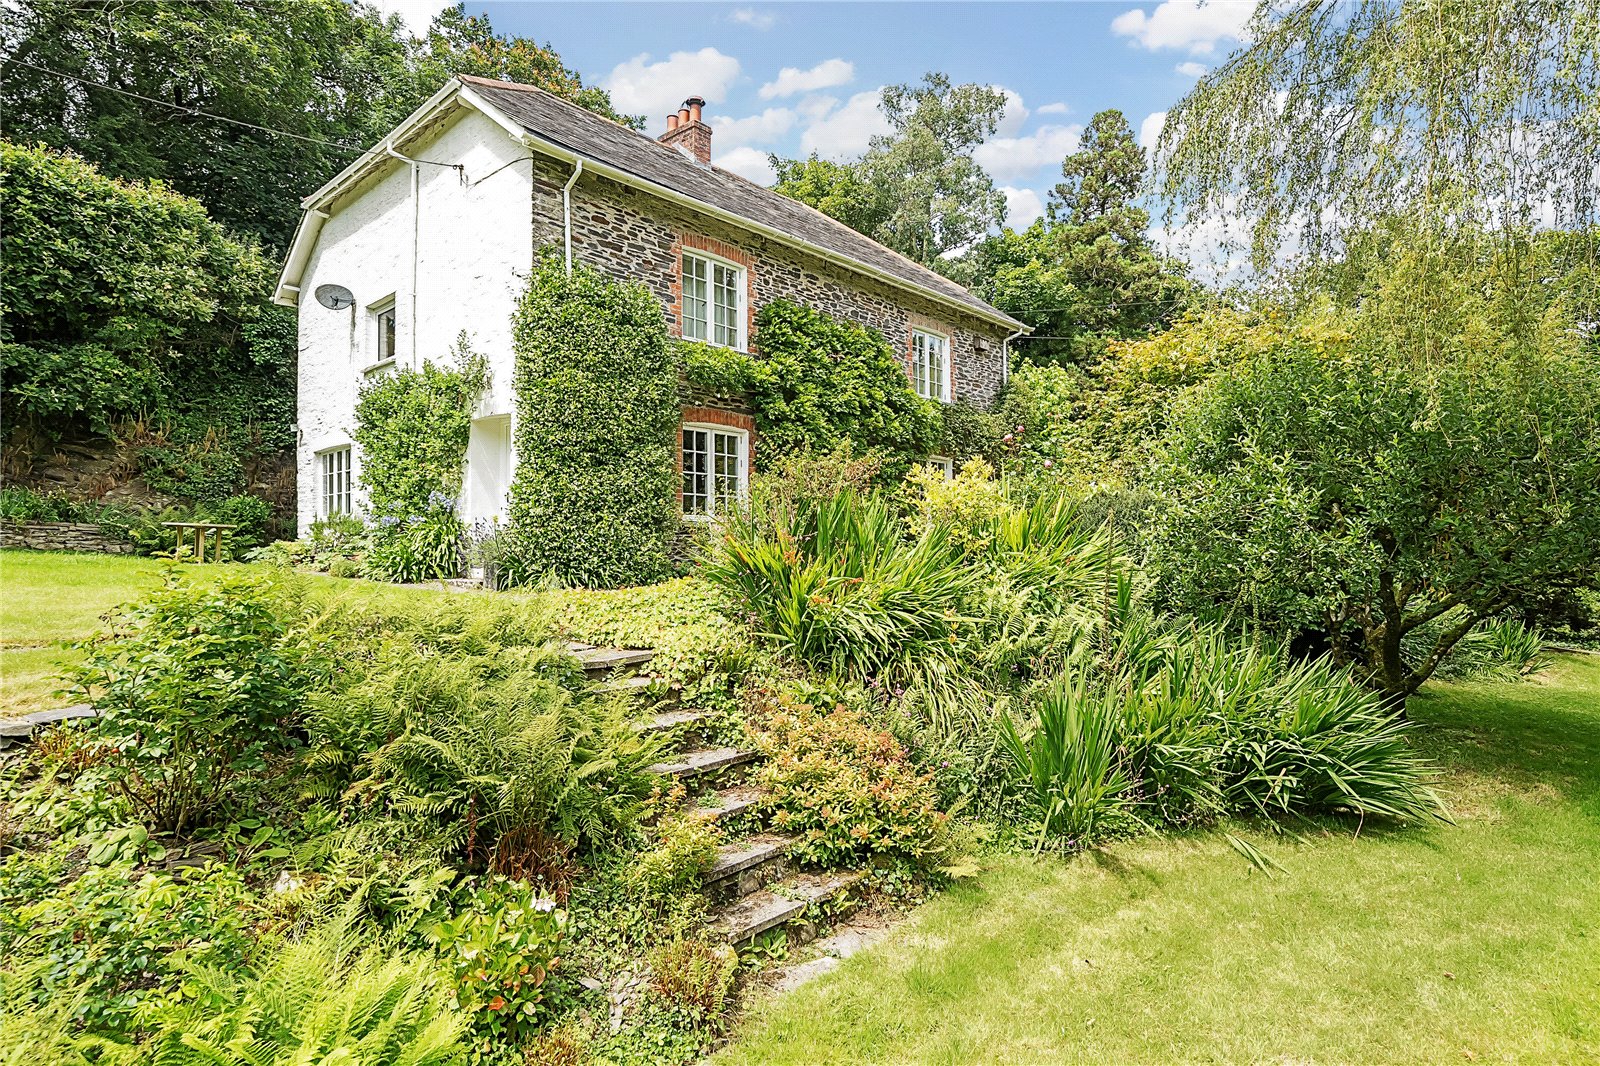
x,y
970,433
694,976
1501,649
412,427
464,718
822,380
1087,274
115,293
1157,725
318,71
503,949
121,943
685,847
197,686
715,368
1335,487
594,499
317,1000
833,585
846,789
917,189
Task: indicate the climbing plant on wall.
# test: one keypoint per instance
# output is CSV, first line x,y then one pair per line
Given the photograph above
x,y
820,380
412,427
595,495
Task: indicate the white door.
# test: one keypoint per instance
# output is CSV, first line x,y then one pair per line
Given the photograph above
x,y
488,469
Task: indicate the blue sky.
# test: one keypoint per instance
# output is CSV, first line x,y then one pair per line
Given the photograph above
x,y
795,77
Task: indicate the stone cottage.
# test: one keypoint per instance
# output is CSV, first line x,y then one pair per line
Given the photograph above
x,y
434,232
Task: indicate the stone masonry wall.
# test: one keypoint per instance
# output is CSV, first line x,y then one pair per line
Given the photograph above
x,y
61,537
632,235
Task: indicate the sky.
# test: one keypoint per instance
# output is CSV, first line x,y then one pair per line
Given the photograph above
x,y
798,77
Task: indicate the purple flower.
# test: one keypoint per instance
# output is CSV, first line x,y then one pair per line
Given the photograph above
x,y
1048,463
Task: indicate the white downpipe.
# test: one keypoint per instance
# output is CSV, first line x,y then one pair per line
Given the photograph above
x,y
1005,356
416,236
566,209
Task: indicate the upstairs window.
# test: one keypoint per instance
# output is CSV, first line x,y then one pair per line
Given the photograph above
x,y
713,301
383,347
930,365
336,494
716,462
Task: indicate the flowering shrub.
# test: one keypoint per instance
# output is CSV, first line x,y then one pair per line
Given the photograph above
x,y
419,547
502,949
847,789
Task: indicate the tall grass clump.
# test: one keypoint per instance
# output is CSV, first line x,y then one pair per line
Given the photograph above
x,y
835,584
1162,725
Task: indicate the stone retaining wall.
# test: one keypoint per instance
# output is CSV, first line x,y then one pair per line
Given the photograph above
x,y
61,537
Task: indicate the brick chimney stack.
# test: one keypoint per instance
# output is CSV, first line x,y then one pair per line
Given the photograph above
x,y
687,129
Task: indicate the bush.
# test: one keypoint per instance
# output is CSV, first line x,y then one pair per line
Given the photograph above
x,y
1156,725
197,686
693,976
835,586
686,847
122,942
251,514
426,545
503,948
845,788
594,500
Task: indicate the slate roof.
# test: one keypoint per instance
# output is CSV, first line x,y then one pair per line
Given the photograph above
x,y
587,134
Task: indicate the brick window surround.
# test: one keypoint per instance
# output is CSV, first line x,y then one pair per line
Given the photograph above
x,y
693,242
716,416
915,322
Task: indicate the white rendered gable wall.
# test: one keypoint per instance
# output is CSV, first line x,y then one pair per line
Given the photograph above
x,y
475,252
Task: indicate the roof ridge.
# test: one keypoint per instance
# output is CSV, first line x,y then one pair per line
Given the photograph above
x,y
933,279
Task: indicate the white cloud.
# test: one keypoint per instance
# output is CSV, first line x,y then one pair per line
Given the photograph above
x,y
416,14
1054,109
1191,69
639,86
825,75
749,16
760,129
1193,25
845,132
1150,130
1023,206
1015,114
747,163
1013,158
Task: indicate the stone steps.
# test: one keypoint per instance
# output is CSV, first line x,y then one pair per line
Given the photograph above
x,y
666,721
602,661
20,730
751,915
730,802
698,762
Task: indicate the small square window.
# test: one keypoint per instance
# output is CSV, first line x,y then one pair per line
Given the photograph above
x,y
941,463
716,463
930,365
713,301
337,497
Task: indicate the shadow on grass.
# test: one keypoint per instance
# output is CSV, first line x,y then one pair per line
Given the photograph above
x,y
1544,732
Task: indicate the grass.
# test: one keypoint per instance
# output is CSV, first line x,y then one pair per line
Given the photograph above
x,y
50,597
1473,941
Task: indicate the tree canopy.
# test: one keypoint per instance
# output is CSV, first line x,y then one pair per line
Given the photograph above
x,y
917,189
307,77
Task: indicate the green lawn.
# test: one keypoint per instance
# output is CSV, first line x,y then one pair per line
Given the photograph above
x,y
1474,941
48,597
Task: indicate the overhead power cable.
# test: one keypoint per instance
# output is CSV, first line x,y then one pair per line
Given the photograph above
x,y
198,113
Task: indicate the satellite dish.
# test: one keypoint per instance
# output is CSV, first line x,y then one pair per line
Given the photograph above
x,y
336,297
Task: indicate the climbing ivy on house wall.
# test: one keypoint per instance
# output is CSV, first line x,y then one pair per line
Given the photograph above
x,y
820,380
594,500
